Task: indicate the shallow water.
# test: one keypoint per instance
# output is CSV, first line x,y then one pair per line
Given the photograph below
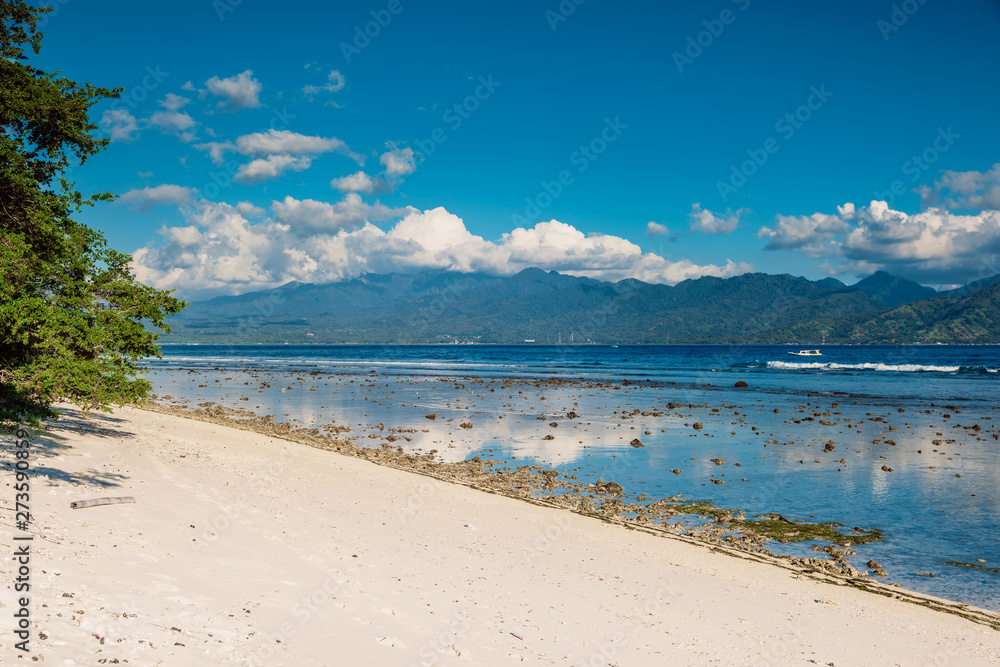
x,y
927,513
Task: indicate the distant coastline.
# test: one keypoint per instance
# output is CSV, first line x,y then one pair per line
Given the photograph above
x,y
440,344
551,309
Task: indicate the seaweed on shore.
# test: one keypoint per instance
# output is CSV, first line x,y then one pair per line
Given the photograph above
x,y
786,531
958,563
776,527
703,509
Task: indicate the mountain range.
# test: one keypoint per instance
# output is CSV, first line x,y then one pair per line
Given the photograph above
x,y
548,307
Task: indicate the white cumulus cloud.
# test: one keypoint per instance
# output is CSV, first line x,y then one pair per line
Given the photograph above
x,y
216,150
809,234
238,92
706,222
120,125
934,246
249,209
173,102
283,142
360,182
221,251
965,189
314,216
656,229
277,151
398,162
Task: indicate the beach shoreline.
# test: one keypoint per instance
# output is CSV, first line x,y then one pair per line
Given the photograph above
x,y
243,548
524,485
904,485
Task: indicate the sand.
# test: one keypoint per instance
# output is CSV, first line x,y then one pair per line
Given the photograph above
x,y
247,549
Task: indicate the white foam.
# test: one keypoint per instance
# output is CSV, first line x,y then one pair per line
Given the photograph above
x,y
897,368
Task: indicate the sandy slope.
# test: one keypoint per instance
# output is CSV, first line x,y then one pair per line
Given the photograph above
x,y
250,550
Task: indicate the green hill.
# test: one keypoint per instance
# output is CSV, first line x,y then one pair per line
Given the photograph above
x,y
959,318
893,290
954,317
549,307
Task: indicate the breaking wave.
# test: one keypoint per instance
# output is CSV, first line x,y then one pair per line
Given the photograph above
x,y
894,368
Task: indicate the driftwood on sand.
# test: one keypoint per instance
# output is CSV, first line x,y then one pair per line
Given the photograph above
x,y
94,502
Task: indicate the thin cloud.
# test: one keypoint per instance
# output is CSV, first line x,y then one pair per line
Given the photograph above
x,y
270,167
161,194
176,123
335,82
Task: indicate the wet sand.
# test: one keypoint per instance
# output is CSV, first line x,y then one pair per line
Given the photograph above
x,y
244,548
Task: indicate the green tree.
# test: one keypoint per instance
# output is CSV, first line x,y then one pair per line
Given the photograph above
x,y
74,322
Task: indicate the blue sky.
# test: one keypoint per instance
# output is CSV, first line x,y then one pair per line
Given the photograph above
x,y
703,139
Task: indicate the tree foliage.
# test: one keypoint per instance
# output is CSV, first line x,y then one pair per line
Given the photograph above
x,y
74,322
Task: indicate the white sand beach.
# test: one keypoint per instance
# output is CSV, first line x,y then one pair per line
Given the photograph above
x,y
250,550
